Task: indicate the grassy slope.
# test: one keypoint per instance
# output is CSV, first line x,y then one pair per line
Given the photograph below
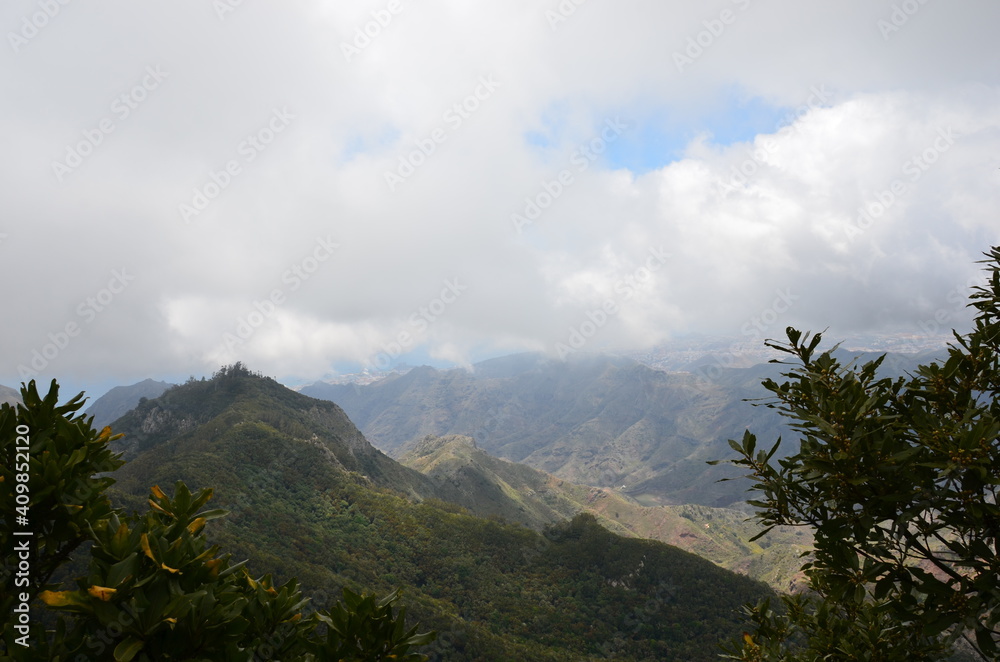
x,y
486,485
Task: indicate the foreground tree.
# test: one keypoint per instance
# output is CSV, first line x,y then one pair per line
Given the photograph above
x,y
898,478
154,588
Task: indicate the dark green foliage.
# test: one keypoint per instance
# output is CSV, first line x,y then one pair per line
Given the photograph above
x,y
155,589
362,628
899,478
65,459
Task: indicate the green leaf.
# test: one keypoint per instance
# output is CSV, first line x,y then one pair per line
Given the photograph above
x,y
127,649
984,639
774,449
122,570
761,534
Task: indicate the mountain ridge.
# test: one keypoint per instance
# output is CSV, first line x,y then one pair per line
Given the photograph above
x,y
489,486
121,399
595,420
334,511
228,405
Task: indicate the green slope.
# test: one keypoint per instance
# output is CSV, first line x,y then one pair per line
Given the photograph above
x,y
311,498
230,421
486,485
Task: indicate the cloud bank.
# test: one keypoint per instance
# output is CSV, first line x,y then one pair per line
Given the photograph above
x,y
310,185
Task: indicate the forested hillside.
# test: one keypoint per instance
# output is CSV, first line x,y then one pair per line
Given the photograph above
x,y
310,498
467,475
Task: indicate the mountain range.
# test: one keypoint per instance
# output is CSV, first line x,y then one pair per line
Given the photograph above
x,y
593,419
596,420
530,501
310,497
463,474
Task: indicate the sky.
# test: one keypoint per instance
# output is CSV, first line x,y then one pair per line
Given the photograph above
x,y
318,187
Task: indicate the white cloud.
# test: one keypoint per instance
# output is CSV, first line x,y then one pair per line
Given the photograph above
x,y
784,225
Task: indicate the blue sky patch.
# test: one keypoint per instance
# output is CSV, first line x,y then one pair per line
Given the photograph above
x,y
658,137
661,138
361,143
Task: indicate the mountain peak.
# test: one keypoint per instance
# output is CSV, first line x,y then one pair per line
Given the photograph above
x,y
238,371
246,421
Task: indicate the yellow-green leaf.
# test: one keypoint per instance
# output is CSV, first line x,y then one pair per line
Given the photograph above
x,y
156,506
62,598
101,592
196,526
144,542
213,567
